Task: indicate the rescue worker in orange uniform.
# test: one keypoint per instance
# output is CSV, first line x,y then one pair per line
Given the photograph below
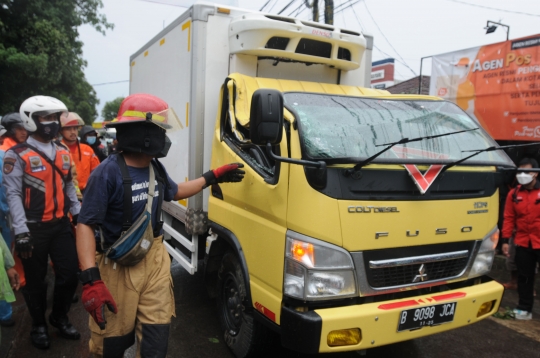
x,y
40,193
83,155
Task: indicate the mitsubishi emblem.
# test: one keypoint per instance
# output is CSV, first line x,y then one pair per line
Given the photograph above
x,y
422,275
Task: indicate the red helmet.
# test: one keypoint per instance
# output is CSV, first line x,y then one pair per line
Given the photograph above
x,y
143,107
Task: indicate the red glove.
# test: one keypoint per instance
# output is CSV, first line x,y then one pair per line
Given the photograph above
x,y
228,173
94,297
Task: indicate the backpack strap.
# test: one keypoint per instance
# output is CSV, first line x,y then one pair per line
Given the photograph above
x,y
163,184
126,180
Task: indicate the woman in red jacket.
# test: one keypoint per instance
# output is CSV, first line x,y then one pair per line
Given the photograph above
x,y
522,213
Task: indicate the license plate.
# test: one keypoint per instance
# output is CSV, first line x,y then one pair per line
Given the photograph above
x,y
426,316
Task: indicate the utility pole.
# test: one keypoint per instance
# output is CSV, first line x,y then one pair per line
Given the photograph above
x,y
328,10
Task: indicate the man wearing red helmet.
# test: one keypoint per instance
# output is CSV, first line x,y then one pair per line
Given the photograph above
x,y
138,294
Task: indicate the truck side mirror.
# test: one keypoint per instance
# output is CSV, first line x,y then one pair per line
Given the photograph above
x,y
266,117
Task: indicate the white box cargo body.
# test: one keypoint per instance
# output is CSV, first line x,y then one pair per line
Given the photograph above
x,y
187,63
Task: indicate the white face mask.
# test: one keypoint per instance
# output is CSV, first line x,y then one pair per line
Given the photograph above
x,y
524,178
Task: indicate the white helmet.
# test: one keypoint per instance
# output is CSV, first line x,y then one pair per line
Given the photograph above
x,y
40,106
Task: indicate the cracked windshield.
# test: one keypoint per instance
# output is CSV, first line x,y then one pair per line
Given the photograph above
x,y
349,128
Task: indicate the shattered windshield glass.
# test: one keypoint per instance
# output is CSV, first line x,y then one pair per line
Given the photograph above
x,y
352,128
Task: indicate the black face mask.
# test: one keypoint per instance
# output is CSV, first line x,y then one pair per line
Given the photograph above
x,y
165,149
48,130
146,138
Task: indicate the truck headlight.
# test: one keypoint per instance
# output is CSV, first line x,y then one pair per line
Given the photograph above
x,y
484,259
316,270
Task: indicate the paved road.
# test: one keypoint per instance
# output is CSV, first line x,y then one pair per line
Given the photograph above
x,y
195,332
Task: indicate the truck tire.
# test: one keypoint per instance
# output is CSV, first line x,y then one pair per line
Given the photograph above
x,y
242,334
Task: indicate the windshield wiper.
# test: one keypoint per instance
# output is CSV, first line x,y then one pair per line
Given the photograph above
x,y
359,166
489,149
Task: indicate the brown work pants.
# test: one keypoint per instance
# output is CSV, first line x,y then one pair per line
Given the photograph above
x,y
145,300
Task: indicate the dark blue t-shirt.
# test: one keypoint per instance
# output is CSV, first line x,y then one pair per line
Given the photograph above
x,y
103,202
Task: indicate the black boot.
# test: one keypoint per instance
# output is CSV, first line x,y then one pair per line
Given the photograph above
x,y
65,329
40,337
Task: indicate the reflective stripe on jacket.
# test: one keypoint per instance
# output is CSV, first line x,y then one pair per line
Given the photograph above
x,y
522,213
43,189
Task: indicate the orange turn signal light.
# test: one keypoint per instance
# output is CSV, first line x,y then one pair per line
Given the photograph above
x,y
303,252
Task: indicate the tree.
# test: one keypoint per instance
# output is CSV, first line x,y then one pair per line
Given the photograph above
x,y
40,52
328,10
110,110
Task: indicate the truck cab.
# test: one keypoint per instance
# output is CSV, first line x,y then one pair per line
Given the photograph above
x,y
331,254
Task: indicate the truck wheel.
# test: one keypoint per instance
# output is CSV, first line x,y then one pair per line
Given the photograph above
x,y
243,335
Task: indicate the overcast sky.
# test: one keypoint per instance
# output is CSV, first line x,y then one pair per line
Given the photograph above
x,y
406,30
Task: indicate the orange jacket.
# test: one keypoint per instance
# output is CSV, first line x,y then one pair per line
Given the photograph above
x,y
8,143
85,162
43,188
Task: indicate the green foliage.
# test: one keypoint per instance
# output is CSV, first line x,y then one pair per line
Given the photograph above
x,y
505,313
40,53
110,110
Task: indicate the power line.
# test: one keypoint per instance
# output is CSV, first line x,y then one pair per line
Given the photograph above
x,y
109,83
389,56
492,8
296,10
381,51
336,7
300,11
272,8
346,7
397,53
285,8
358,19
343,4
266,3
344,20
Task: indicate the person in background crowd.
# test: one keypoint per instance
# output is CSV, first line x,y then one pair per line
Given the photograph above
x,y
9,278
6,311
15,132
145,299
83,155
113,145
89,136
522,216
40,193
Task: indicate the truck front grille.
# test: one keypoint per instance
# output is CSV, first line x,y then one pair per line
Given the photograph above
x,y
408,274
391,269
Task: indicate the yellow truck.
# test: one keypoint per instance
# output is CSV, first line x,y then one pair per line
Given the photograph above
x,y
364,218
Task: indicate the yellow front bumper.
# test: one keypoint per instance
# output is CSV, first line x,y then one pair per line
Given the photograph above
x,y
378,322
